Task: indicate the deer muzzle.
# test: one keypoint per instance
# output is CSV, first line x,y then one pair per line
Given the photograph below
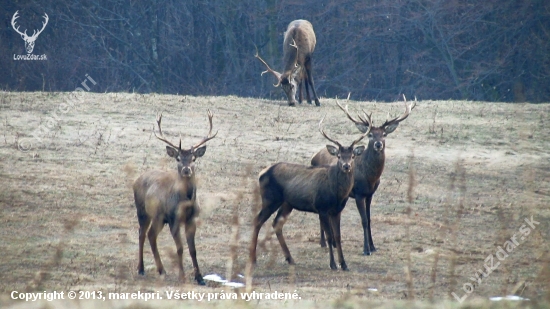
x,y
378,146
346,167
186,171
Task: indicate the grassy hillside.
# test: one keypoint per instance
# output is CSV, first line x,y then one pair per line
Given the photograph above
x,y
460,180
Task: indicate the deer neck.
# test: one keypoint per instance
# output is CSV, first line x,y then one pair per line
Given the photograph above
x,y
340,180
185,186
371,163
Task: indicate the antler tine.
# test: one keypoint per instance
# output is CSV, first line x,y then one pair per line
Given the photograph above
x,y
161,137
325,135
43,25
275,73
208,137
15,16
408,109
345,110
367,119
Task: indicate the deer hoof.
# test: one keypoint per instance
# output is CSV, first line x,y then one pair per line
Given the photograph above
x,y
317,103
199,280
344,267
290,261
141,272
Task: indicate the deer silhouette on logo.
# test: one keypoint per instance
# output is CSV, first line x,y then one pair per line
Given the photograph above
x,y
29,40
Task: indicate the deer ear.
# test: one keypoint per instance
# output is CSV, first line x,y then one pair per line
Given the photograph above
x,y
391,128
332,150
362,127
199,152
358,150
172,152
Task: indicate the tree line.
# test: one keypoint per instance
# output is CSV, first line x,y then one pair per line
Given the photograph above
x,y
493,50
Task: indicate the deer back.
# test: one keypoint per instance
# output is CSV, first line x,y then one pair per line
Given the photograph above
x,y
301,32
305,188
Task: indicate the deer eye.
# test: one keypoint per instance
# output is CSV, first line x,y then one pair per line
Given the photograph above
x,y
384,134
370,135
178,158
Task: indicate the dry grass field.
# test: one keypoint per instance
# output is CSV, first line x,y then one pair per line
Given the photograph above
x,y
460,180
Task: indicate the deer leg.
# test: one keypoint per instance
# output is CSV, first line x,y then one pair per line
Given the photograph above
x,y
371,244
310,81
335,224
144,222
154,230
360,202
306,81
300,96
268,209
175,231
190,229
283,212
327,228
322,242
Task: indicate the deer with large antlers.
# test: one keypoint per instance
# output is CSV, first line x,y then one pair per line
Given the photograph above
x,y
368,168
323,190
29,40
170,197
298,47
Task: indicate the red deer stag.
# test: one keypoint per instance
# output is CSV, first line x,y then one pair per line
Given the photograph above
x,y
323,190
298,47
368,168
170,197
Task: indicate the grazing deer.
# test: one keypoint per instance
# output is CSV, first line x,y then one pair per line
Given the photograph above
x,y
368,168
323,190
298,46
170,197
29,40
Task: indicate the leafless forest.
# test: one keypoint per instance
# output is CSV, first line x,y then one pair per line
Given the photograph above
x,y
495,50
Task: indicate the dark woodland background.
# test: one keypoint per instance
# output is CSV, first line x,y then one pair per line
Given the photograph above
x,y
491,50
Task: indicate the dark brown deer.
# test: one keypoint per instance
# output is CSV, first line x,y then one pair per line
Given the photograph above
x,y
170,197
368,168
323,190
298,46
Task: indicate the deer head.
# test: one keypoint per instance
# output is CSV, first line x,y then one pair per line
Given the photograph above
x,y
29,40
287,80
377,135
185,157
345,155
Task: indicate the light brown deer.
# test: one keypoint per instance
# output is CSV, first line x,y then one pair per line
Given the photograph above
x,y
323,190
298,47
368,168
170,197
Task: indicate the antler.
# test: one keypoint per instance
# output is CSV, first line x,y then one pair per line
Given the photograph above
x,y
43,26
366,120
208,137
398,119
161,137
345,110
13,24
34,33
275,73
325,135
